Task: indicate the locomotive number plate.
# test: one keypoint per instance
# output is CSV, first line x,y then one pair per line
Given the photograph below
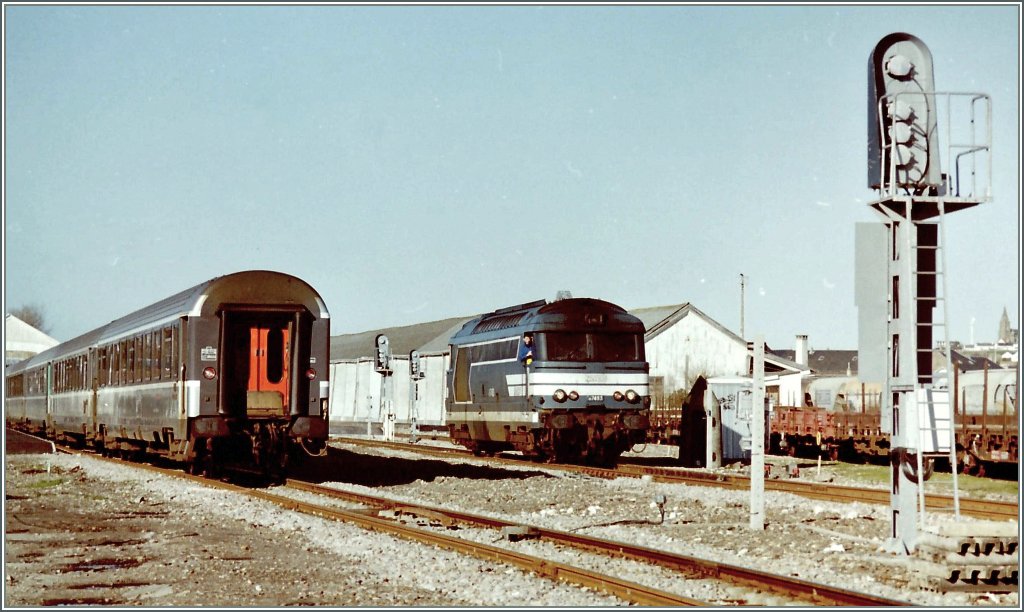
x,y
595,398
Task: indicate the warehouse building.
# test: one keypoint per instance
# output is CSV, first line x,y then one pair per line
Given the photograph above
x,y
681,341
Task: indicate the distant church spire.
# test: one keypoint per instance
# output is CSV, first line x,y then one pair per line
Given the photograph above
x,y
1005,331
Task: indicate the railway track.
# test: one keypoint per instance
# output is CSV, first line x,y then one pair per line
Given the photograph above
x,y
754,582
977,508
793,588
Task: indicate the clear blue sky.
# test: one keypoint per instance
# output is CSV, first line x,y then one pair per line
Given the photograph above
x,y
420,163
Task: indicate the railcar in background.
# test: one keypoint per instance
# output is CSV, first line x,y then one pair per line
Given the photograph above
x,y
229,375
583,397
846,422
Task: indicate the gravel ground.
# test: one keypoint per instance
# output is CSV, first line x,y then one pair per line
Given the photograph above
x,y
81,531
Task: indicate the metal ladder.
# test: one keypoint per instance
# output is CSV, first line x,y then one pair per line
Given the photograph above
x,y
935,413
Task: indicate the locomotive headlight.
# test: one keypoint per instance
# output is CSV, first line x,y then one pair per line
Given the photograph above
x,y
574,396
617,396
311,373
559,395
631,396
209,373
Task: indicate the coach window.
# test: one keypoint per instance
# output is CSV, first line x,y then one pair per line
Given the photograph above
x,y
130,369
157,364
147,356
122,371
102,365
115,366
111,365
137,370
154,357
168,352
139,358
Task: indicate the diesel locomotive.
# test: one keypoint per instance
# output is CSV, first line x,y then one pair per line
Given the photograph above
x,y
229,375
580,393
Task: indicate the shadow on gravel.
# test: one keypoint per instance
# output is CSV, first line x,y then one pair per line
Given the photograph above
x,y
342,465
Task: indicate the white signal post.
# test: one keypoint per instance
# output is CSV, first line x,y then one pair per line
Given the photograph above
x,y
757,515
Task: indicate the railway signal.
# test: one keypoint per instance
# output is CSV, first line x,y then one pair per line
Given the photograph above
x,y
914,195
382,364
416,373
382,355
903,144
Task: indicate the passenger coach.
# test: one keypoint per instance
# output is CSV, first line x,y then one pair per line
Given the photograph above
x,y
584,395
230,374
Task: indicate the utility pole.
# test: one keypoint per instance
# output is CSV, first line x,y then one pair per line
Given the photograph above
x,y
742,334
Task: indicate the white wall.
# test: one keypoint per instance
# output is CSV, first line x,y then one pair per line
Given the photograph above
x,y
694,347
356,390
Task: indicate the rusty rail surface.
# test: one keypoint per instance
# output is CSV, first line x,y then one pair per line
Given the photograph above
x,y
796,588
978,508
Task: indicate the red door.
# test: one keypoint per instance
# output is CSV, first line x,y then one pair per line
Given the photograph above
x,y
268,362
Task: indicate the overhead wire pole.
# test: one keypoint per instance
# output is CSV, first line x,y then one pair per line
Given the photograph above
x,y
742,299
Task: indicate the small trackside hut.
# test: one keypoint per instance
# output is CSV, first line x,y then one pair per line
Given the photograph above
x,y
230,375
584,395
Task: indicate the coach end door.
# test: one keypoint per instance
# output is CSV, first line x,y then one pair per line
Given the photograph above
x,y
258,363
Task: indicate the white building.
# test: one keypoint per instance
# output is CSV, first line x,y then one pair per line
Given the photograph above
x,y
22,341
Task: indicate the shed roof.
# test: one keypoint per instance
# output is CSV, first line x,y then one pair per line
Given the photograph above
x,y
431,337
966,363
826,362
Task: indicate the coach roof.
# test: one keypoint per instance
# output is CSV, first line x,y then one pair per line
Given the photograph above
x,y
251,286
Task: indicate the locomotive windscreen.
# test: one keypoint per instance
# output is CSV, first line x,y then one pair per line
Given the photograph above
x,y
589,347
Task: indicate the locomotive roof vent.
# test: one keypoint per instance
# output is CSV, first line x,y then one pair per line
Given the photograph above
x,y
564,294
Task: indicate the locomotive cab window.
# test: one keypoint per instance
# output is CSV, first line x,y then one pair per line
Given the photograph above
x,y
589,347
